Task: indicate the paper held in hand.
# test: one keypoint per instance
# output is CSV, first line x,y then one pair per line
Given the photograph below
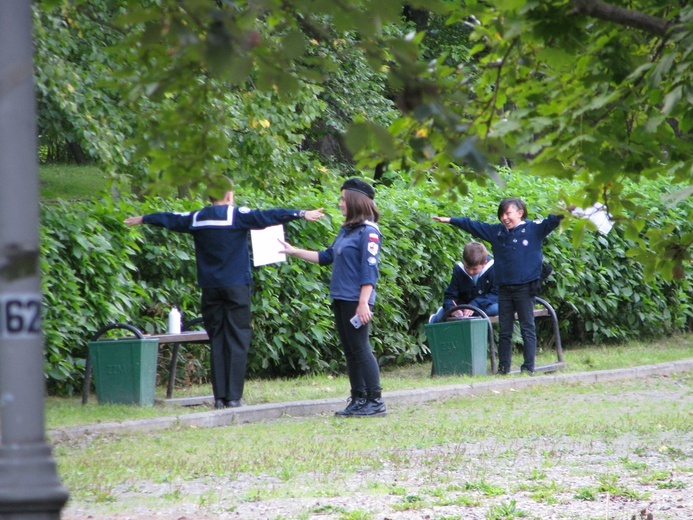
x,y
598,216
266,245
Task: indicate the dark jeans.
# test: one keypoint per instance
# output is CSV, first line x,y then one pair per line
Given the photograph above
x,y
362,367
516,299
226,315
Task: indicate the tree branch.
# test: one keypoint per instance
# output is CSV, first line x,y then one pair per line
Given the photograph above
x,y
496,86
621,16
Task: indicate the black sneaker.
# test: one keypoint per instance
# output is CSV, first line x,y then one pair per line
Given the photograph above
x,y
353,404
371,408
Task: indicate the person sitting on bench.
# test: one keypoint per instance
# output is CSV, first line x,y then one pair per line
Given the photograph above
x,y
473,283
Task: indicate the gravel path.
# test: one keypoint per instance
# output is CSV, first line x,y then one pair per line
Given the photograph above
x,y
629,477
543,478
624,478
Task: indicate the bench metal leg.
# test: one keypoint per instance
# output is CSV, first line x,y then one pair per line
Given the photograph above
x,y
172,370
174,357
556,330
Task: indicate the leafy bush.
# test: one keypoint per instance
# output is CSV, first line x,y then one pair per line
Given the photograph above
x,y
97,271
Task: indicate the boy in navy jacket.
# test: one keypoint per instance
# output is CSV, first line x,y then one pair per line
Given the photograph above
x,y
517,247
473,283
220,233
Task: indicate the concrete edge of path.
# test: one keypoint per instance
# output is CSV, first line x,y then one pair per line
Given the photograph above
x,y
271,411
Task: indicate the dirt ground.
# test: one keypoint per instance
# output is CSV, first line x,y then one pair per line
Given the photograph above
x,y
640,479
626,477
412,495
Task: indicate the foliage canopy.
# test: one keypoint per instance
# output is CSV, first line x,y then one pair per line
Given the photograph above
x,y
581,90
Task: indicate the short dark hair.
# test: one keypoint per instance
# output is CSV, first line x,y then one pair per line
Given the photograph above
x,y
512,201
474,253
359,207
225,183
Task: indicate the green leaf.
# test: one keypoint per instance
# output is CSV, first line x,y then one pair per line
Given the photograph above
x,y
357,138
294,45
476,49
671,100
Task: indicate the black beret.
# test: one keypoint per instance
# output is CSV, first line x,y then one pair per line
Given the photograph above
x,y
360,186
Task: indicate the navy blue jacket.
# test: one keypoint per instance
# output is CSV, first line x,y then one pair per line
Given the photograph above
x,y
355,255
463,290
220,233
517,251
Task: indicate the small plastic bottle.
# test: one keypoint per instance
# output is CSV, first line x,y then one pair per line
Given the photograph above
x,y
174,321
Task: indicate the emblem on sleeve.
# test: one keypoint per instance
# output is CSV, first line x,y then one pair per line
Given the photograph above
x,y
244,209
372,260
373,248
373,237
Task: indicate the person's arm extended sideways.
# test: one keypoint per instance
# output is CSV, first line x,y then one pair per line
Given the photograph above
x,y
303,254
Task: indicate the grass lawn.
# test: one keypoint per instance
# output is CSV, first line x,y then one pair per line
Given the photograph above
x,y
70,182
566,451
65,412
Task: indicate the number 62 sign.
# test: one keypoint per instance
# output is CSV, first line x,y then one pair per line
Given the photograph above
x,y
20,316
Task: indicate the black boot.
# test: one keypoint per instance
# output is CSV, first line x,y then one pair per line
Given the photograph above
x,y
356,401
374,406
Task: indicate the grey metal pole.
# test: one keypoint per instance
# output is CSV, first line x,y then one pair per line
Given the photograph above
x,y
29,482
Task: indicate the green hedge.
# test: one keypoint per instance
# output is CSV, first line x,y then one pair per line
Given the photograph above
x,y
97,271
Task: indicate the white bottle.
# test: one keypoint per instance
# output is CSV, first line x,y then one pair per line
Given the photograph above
x,y
174,321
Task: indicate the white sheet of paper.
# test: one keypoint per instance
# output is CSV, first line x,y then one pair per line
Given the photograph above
x,y
600,218
598,215
266,246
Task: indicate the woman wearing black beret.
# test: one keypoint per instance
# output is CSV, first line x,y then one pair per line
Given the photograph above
x,y
355,258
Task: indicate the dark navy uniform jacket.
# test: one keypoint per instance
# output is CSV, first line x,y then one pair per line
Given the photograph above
x,y
517,251
463,290
355,255
220,233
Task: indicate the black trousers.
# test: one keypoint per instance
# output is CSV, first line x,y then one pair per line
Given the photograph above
x,y
516,299
226,316
362,367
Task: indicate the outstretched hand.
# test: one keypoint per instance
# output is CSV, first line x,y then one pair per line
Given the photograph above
x,y
133,221
303,254
444,220
288,248
314,214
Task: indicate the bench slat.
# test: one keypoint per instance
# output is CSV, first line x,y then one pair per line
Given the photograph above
x,y
537,313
